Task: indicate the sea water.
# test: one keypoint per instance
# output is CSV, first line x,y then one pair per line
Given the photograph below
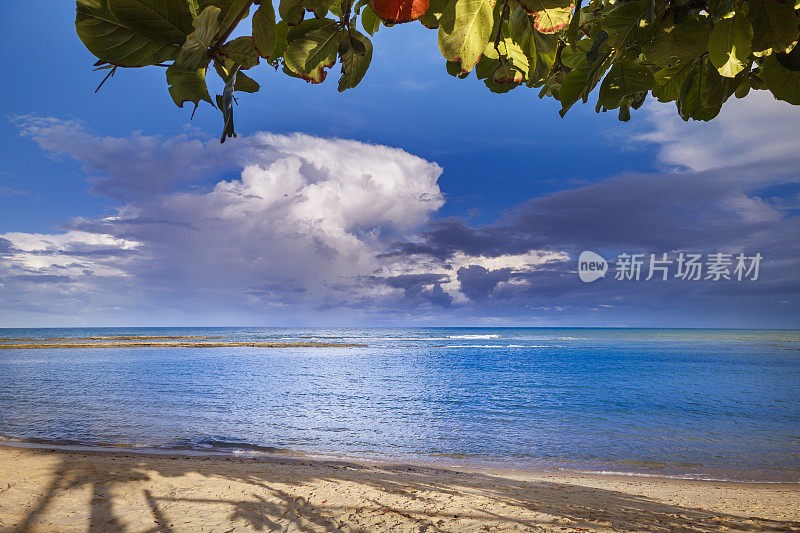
x,y
722,404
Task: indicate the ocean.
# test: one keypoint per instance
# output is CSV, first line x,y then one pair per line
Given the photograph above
x,y
711,404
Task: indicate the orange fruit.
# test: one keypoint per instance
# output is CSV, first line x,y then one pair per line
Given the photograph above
x,y
399,11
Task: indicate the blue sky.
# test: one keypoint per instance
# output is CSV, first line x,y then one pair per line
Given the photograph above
x,y
495,182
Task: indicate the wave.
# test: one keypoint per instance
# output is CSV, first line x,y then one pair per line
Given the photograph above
x,y
473,337
691,477
201,446
223,445
503,346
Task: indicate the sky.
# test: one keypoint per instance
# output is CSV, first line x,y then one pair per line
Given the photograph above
x,y
416,199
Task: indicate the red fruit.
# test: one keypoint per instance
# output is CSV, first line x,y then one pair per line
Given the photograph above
x,y
398,11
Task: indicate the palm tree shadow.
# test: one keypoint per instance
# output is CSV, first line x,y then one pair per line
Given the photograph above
x,y
272,506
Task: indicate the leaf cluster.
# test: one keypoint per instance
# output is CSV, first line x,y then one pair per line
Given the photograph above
x,y
696,53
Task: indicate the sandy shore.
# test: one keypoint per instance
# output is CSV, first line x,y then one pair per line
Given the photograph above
x,y
45,490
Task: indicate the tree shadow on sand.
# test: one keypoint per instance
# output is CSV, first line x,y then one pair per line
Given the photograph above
x,y
274,505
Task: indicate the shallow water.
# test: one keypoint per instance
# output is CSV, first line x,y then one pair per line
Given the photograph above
x,y
699,403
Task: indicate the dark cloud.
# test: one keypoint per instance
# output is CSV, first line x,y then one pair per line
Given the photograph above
x,y
642,212
477,282
708,211
420,287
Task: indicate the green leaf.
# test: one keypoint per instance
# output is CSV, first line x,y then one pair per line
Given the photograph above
x,y
434,14
483,70
668,82
264,30
506,73
577,58
512,52
464,30
790,61
574,26
370,21
318,7
281,34
242,51
522,33
623,23
454,69
624,79
701,81
112,42
729,45
312,48
783,83
194,52
291,11
245,83
550,16
580,82
685,40
499,88
552,20
168,21
355,64
533,6
231,10
572,86
291,74
187,86
743,88
775,25
546,48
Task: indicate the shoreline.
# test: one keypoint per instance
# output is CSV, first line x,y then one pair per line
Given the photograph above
x,y
270,453
56,490
256,456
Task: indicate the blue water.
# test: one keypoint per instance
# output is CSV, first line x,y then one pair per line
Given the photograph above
x,y
697,403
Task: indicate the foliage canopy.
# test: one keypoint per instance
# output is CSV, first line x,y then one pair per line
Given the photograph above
x,y
696,53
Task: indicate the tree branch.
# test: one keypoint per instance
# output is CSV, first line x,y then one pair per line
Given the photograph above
x,y
223,37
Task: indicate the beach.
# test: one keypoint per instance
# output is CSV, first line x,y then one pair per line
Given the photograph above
x,y
603,400
56,490
421,430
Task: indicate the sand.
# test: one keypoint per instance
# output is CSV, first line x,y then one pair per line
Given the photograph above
x,y
175,344
47,490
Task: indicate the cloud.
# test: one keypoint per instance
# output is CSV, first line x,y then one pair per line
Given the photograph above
x,y
303,218
9,191
294,228
727,187
754,130
695,210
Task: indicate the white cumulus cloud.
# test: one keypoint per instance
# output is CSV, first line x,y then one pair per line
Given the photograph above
x,y
756,129
302,220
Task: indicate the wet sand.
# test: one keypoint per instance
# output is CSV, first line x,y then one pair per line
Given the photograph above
x,y
48,490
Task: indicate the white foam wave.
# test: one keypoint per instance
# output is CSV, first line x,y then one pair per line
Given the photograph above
x,y
503,346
